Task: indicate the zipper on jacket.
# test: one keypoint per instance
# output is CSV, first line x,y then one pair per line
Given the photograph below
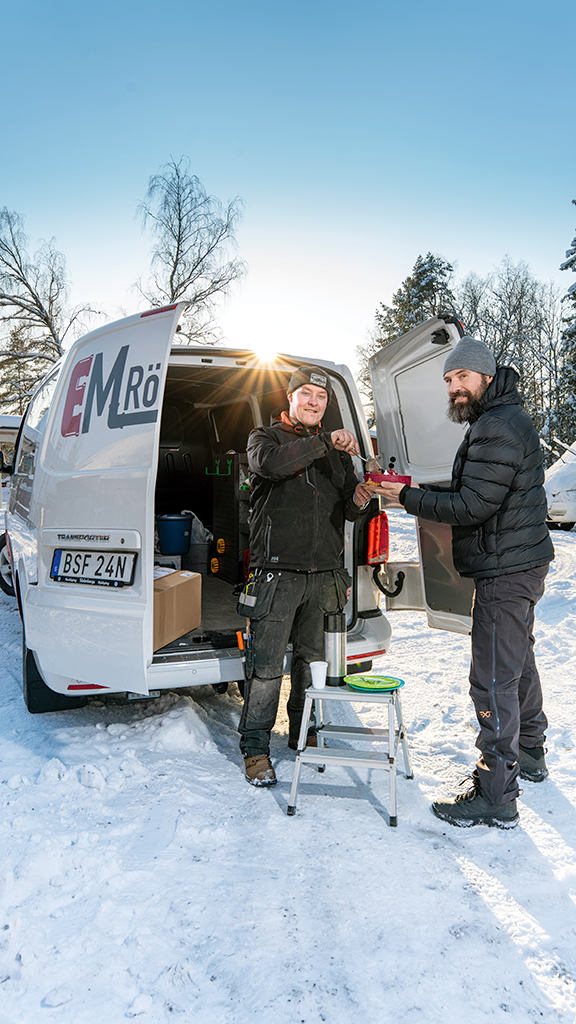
x,y
267,534
314,485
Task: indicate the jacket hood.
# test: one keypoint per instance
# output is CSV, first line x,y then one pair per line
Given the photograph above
x,y
502,390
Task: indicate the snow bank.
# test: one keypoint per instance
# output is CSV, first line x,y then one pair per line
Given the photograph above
x,y
141,877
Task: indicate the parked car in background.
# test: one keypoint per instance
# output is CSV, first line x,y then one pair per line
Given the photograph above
x,y
560,487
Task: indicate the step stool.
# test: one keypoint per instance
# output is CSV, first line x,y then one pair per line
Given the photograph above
x,y
322,755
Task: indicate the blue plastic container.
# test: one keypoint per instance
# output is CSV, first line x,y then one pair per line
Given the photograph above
x,y
174,534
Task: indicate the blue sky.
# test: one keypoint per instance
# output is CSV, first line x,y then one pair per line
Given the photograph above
x,y
358,136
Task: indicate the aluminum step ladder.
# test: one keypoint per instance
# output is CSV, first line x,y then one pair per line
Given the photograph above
x,y
394,735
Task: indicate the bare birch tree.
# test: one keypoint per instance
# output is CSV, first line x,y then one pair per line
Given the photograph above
x,y
194,233
33,311
518,317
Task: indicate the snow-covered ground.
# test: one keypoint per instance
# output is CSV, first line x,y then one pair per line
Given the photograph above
x,y
141,877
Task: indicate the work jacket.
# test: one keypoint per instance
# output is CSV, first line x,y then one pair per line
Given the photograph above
x,y
302,491
496,503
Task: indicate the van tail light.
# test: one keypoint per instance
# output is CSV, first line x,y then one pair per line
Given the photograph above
x,y
378,545
159,309
87,686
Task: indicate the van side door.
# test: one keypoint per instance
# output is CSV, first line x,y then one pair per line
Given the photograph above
x,y
410,405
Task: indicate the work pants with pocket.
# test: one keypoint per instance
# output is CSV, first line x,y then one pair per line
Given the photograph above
x,y
296,614
504,681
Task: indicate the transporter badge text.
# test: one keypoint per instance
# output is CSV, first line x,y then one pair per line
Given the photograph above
x,y
84,536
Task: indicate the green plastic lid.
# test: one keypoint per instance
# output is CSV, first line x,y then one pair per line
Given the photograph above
x,y
373,683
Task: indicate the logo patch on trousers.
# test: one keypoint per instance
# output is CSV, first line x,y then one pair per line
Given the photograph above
x,y
484,714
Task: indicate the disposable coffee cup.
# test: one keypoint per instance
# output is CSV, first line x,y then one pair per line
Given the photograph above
x,y
318,670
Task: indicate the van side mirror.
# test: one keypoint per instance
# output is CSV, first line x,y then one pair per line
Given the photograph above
x,y
3,467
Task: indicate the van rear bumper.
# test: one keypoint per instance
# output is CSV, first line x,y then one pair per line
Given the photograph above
x,y
174,670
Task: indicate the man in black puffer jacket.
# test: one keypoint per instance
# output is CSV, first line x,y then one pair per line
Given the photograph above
x,y
496,506
303,488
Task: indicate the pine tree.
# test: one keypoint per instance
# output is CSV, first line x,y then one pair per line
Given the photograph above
x,y
569,333
565,414
22,366
423,294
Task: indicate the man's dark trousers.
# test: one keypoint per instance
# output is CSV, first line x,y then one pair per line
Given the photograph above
x,y
504,681
297,615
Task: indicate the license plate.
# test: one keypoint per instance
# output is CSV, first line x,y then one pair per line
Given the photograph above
x,y
94,568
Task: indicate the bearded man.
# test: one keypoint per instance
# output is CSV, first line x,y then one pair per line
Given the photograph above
x,y
496,506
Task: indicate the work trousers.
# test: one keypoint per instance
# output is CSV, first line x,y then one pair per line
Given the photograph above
x,y
296,614
504,681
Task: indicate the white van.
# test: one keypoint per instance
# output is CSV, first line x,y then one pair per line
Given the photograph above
x,y
128,426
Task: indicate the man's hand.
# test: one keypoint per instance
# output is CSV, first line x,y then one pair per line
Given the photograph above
x,y
362,494
392,491
344,441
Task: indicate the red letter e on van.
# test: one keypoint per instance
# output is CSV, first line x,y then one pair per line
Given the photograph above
x,y
75,398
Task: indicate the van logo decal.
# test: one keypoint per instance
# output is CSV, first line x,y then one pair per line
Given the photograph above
x,y
75,397
130,394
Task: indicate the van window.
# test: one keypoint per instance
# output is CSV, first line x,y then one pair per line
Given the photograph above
x,y
32,431
39,406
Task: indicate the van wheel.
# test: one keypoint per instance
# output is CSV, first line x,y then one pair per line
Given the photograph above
x,y
220,687
241,685
566,526
38,697
6,583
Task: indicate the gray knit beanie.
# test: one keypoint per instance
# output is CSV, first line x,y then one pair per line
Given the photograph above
x,y
470,354
310,375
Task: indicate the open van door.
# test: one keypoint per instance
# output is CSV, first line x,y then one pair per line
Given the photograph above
x,y
91,458
410,406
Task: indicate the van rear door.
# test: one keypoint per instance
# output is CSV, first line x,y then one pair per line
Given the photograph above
x,y
410,407
89,618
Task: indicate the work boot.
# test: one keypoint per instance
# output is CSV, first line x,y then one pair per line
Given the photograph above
x,y
259,770
471,808
311,741
532,764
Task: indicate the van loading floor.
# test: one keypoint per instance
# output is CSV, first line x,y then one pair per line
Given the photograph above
x,y
219,620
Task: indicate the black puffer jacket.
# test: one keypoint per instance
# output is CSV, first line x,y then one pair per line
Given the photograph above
x,y
302,491
496,504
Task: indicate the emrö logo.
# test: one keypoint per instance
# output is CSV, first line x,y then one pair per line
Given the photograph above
x,y
131,394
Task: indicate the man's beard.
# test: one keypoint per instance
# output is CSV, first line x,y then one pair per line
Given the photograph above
x,y
464,412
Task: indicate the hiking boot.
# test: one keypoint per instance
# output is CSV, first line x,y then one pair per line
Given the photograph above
x,y
259,770
472,808
532,764
311,741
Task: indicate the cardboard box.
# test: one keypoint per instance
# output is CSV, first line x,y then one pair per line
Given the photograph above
x,y
177,605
